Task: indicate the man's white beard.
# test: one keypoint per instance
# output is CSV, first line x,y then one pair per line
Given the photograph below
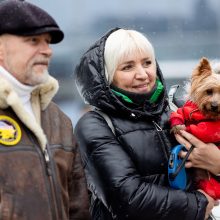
x,y
37,79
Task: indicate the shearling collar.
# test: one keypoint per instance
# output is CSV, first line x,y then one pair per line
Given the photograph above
x,y
40,99
45,92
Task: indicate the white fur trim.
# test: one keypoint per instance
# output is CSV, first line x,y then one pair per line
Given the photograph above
x,y
45,93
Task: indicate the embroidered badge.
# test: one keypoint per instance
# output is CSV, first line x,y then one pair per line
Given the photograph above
x,y
10,132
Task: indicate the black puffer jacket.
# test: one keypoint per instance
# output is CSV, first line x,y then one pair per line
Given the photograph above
x,y
127,172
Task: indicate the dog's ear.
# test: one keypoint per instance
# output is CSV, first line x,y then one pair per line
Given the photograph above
x,y
204,67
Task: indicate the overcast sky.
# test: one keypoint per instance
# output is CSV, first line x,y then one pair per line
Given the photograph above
x,y
76,16
73,14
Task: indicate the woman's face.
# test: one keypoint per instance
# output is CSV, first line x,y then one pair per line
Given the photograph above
x,y
136,73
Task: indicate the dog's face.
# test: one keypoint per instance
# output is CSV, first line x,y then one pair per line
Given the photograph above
x,y
205,89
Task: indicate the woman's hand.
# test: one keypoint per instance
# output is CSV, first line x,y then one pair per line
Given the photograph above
x,y
211,204
205,156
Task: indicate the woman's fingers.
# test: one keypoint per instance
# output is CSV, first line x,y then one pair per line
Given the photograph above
x,y
188,163
182,140
204,155
190,138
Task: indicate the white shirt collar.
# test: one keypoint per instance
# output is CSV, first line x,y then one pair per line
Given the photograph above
x,y
23,91
20,89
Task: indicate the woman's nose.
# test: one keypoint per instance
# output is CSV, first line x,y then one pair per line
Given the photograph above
x,y
141,72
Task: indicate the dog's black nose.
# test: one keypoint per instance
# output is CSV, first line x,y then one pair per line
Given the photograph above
x,y
214,106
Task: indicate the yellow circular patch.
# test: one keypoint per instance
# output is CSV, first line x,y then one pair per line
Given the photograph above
x,y
10,132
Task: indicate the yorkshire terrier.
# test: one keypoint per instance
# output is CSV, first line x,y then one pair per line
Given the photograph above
x,y
200,116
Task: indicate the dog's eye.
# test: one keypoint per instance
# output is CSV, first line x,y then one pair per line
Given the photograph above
x,y
209,91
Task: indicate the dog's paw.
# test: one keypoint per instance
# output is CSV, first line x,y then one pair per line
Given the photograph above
x,y
175,129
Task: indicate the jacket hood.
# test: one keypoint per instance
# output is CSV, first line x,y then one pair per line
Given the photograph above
x,y
94,88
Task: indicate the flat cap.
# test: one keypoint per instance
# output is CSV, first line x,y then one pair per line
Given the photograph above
x,y
25,19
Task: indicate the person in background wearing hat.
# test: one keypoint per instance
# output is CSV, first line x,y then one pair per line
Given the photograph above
x,y
41,177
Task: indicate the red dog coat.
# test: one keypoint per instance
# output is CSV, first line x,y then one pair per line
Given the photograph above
x,y
206,130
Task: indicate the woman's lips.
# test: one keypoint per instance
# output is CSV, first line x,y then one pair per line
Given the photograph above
x,y
141,88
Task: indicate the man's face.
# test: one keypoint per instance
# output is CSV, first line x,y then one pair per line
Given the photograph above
x,y
26,57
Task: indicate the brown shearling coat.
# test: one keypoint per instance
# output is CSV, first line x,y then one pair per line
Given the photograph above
x,y
33,187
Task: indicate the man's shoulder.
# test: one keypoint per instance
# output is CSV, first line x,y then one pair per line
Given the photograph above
x,y
55,110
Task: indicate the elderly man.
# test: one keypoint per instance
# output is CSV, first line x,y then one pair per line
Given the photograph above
x,y
41,177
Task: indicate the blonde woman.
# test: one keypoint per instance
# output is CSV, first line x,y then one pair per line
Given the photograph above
x,y
126,160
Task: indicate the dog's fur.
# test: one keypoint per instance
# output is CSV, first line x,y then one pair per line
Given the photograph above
x,y
200,115
205,89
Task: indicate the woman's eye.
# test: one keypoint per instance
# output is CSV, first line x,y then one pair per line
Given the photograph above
x,y
147,63
127,67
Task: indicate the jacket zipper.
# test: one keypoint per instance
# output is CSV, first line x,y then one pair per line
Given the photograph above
x,y
160,135
51,171
48,174
47,160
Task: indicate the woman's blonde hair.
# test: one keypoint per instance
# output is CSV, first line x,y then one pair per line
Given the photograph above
x,y
122,43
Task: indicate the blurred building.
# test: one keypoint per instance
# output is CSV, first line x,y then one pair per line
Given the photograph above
x,y
181,32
